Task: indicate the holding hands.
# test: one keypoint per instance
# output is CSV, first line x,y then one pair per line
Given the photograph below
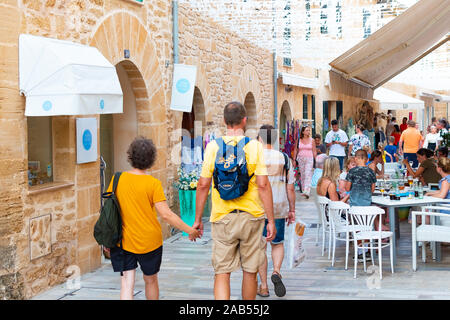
x,y
197,231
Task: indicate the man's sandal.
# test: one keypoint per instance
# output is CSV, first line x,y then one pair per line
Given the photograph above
x,y
263,292
280,289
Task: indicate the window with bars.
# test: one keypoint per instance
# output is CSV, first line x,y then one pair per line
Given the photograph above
x,y
305,106
323,18
308,20
366,25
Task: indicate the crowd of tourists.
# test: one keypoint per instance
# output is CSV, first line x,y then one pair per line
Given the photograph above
x,y
403,143
253,196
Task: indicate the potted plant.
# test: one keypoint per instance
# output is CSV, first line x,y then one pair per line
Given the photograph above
x,y
187,187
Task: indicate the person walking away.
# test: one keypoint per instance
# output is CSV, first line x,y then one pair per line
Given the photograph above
x,y
337,140
404,124
390,127
280,170
431,139
320,147
138,194
327,185
426,172
410,142
236,224
305,158
391,151
358,140
396,134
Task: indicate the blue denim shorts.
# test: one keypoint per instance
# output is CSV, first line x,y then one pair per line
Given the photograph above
x,y
279,225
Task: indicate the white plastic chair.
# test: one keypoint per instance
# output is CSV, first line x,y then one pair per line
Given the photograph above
x,y
340,225
364,217
428,232
313,196
324,222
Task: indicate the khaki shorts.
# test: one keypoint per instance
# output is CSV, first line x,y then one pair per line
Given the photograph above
x,y
238,241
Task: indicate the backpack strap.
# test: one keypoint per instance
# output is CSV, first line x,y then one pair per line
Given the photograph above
x,y
287,165
116,181
114,188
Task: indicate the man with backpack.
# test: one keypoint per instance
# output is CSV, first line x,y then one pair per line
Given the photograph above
x,y
241,195
282,178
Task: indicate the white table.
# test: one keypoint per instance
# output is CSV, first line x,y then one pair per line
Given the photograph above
x,y
404,202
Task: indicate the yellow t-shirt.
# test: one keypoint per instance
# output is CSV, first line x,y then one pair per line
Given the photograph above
x,y
249,201
137,195
411,138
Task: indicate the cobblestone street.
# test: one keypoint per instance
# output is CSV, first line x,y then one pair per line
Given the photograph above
x,y
186,273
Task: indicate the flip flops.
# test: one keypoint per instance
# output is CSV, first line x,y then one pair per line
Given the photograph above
x,y
263,293
280,289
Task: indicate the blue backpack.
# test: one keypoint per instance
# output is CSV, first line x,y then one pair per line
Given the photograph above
x,y
230,175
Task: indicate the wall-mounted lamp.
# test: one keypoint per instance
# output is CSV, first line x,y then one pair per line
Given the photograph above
x,y
126,54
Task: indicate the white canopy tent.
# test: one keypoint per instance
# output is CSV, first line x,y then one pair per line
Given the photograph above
x,y
65,78
392,100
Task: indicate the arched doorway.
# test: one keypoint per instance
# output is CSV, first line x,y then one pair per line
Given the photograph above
x,y
285,116
117,131
193,125
252,122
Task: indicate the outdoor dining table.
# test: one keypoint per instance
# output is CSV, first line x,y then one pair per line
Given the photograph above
x,y
403,202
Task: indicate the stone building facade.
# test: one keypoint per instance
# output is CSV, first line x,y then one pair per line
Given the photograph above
x,y
46,230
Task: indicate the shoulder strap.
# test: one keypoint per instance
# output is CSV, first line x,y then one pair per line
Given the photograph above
x,y
116,181
286,165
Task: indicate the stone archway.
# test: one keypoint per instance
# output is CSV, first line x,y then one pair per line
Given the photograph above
x,y
143,69
285,115
248,82
195,121
252,117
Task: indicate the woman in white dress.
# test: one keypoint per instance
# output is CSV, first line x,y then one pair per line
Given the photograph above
x,y
431,139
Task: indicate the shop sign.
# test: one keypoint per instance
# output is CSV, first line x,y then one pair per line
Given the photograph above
x,y
86,140
184,77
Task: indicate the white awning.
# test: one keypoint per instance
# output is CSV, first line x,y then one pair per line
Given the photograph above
x,y
436,96
392,100
65,78
396,46
299,81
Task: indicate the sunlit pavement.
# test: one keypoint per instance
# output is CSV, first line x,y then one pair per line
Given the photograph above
x,y
186,273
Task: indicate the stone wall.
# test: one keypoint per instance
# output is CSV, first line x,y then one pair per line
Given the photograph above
x,y
229,68
45,230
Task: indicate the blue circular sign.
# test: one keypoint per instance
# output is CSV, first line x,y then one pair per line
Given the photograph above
x,y
87,139
102,104
47,105
183,85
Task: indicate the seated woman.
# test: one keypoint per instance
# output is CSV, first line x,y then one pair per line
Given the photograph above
x,y
318,171
443,169
377,158
427,169
327,185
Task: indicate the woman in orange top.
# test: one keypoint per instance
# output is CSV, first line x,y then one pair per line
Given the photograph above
x,y
139,194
